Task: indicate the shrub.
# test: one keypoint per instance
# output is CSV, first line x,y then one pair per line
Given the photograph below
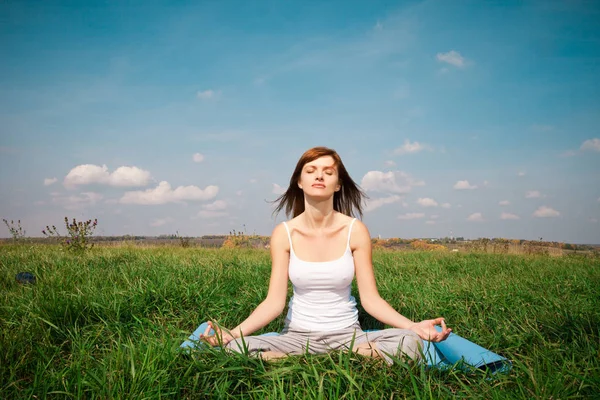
x,y
78,234
16,231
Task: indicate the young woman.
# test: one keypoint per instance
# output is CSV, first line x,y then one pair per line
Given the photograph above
x,y
321,250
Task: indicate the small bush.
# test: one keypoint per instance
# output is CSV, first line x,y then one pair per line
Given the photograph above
x,y
78,234
16,231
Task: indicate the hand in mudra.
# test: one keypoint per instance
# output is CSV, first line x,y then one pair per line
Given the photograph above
x,y
220,338
426,329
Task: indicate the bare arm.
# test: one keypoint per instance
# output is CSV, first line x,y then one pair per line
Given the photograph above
x,y
274,303
369,295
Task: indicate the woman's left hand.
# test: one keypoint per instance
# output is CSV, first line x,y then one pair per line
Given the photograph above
x,y
426,329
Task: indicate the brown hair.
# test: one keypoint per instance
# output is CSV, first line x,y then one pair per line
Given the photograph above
x,y
348,200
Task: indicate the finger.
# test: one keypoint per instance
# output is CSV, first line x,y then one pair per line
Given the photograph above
x,y
444,325
437,321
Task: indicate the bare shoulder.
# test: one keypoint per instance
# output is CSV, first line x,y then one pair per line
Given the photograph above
x,y
279,238
360,235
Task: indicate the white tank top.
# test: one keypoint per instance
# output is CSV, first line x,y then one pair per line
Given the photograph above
x,y
321,300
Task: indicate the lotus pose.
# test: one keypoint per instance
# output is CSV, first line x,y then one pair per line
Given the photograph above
x,y
321,249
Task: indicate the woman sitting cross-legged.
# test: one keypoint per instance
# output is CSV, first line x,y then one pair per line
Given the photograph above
x,y
321,250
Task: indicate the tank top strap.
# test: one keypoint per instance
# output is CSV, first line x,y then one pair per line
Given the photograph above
x,y
350,232
289,237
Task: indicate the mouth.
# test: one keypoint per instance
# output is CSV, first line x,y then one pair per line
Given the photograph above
x,y
316,185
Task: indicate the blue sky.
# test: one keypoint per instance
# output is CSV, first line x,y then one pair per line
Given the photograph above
x,y
479,118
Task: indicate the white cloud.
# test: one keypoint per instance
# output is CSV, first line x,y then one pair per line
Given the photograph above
x,y
206,214
389,182
217,205
214,210
521,173
508,216
446,205
434,216
427,202
486,183
390,163
161,221
504,203
591,144
452,57
411,216
239,193
49,181
430,222
373,204
207,94
86,174
477,217
533,194
464,185
278,189
253,180
74,202
198,158
410,148
594,220
163,194
544,211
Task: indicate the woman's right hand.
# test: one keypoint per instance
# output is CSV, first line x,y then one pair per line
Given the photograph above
x,y
220,338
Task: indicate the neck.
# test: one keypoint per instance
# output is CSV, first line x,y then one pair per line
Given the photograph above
x,y
318,215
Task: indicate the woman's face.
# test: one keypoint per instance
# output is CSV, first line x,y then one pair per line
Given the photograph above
x,y
319,178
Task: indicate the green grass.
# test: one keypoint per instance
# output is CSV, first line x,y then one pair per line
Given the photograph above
x,y
108,324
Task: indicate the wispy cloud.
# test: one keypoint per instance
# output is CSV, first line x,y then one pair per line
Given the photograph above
x,y
163,194
208,94
411,148
464,185
533,194
475,217
161,221
521,173
568,153
508,216
408,216
215,209
278,190
591,144
504,203
76,202
373,204
198,158
452,57
446,205
545,212
49,181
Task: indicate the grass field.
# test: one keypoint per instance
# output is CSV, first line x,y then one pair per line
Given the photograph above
x,y
108,324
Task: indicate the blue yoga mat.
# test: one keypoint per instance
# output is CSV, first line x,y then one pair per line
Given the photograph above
x,y
437,355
